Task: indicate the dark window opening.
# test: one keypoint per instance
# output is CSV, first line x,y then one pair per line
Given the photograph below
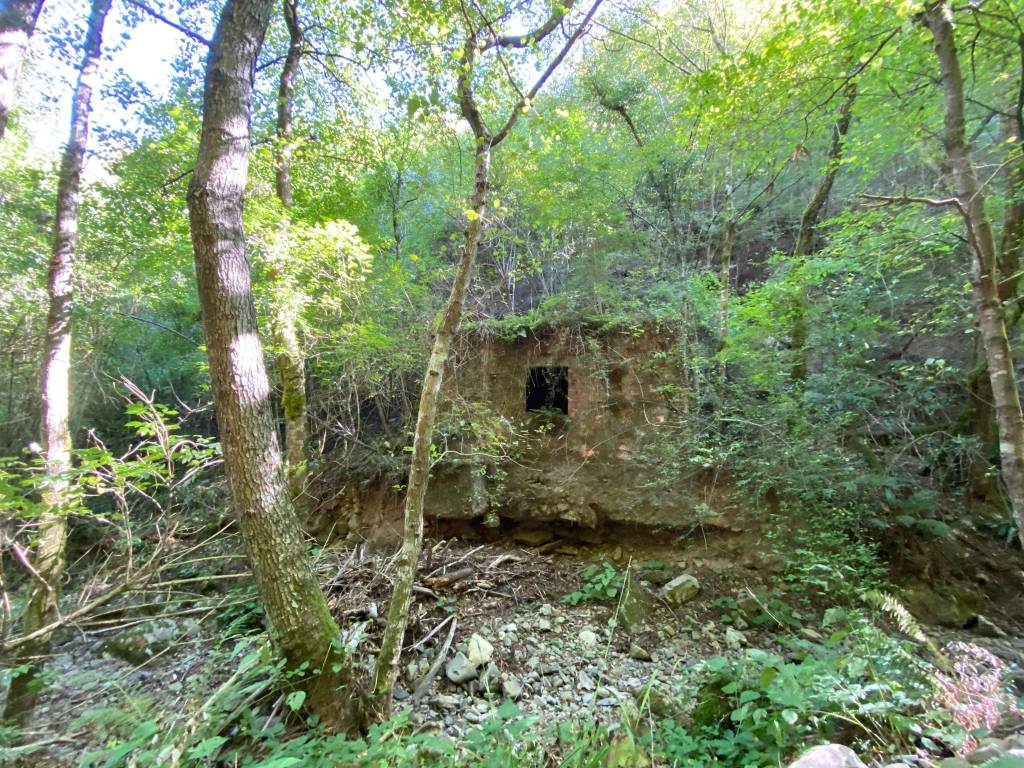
x,y
547,388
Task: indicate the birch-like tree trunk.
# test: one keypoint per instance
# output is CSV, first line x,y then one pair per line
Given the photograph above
x,y
970,202
388,661
386,671
17,23
301,622
291,363
41,609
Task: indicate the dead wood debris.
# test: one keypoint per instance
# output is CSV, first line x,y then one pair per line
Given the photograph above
x,y
453,577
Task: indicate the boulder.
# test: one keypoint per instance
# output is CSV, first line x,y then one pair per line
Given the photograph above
x,y
511,688
479,651
682,589
142,642
637,606
459,669
588,638
828,756
947,605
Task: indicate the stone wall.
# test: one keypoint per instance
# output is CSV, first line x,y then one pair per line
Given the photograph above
x,y
585,468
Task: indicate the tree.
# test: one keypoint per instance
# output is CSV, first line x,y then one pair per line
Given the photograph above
x,y
17,23
808,226
301,622
291,365
969,202
480,39
56,378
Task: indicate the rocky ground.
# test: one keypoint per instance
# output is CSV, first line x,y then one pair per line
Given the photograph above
x,y
491,623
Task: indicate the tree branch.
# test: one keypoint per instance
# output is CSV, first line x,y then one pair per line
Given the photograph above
x,y
170,23
545,75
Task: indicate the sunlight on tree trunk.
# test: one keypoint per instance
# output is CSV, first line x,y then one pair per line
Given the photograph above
x,y
386,671
984,281
56,379
301,622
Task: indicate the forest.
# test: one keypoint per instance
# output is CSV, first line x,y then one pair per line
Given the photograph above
x,y
507,383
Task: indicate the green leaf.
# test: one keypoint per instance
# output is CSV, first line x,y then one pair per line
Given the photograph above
x,y
295,700
206,747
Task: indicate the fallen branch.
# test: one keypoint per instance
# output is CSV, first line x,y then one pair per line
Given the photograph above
x,y
436,666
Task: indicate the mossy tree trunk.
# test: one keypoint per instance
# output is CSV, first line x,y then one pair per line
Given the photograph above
x,y
301,623
41,609
17,23
289,357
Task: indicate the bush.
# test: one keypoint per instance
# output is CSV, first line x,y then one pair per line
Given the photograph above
x,y
859,687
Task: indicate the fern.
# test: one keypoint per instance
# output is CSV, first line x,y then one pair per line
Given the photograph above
x,y
907,624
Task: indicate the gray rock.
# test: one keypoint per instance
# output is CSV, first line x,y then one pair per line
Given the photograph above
x,y
984,753
459,669
480,651
511,688
828,756
954,762
734,638
142,642
682,589
638,652
584,682
588,638
543,625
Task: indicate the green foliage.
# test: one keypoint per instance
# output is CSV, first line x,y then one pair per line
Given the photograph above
x,y
600,582
859,687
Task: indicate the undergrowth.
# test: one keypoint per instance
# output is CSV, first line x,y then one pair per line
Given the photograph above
x,y
857,685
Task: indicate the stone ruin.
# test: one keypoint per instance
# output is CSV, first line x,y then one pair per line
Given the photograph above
x,y
590,405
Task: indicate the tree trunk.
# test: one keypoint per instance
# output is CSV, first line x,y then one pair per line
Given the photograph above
x,y
724,268
291,363
984,280
979,414
1012,246
301,622
17,23
386,671
808,226
56,379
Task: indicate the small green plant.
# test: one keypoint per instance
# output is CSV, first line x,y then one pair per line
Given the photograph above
x,y
860,686
599,582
